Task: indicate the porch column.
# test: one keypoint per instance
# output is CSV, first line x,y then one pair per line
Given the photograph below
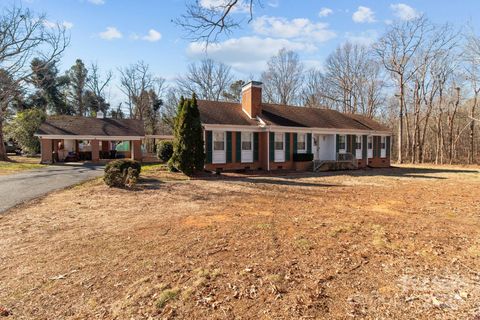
x,y
95,150
46,150
136,150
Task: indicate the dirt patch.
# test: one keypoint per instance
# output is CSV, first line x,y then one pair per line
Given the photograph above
x,y
396,243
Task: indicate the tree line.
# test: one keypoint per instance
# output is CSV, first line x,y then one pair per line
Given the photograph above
x,y
419,78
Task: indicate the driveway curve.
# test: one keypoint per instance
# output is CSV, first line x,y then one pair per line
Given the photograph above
x,y
20,187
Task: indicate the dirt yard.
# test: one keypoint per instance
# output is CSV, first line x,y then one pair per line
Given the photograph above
x,y
399,243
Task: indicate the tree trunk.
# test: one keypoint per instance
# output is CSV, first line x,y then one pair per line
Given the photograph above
x,y
472,129
400,122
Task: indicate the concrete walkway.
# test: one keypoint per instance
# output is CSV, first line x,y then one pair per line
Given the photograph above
x,y
20,187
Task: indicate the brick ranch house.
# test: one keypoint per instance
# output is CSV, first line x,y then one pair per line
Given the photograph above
x,y
256,135
248,135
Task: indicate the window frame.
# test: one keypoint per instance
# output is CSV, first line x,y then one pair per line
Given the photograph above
x,y
214,133
304,149
340,143
275,141
250,140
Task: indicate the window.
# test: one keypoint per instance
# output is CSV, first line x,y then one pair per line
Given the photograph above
x,y
278,141
382,142
219,141
370,143
246,141
358,142
301,139
341,142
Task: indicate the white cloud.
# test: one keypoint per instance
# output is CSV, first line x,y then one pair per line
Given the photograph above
x,y
366,38
324,12
241,6
247,54
67,24
110,33
152,36
404,12
300,28
97,2
363,14
50,24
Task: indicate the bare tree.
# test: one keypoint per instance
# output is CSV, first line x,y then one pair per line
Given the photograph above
x,y
206,20
208,79
282,81
22,37
472,56
395,50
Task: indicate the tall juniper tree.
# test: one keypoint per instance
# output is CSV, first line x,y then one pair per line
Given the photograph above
x,y
188,153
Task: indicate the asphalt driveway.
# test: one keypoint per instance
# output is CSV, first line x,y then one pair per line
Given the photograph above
x,y
20,187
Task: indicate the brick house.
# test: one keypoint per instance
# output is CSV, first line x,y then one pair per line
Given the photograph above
x,y
256,135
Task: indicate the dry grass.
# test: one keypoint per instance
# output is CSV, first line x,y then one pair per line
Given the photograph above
x,y
19,163
397,243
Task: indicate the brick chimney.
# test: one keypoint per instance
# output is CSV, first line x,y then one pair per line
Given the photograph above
x,y
252,98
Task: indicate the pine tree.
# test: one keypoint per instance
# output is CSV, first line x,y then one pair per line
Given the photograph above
x,y
188,153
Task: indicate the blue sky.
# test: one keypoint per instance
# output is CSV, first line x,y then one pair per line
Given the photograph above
x,y
115,33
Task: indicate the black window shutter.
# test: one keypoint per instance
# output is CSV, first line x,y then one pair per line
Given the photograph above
x,y
309,143
238,146
209,146
338,143
229,146
255,146
388,147
272,146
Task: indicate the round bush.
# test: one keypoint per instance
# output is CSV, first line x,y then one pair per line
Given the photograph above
x,y
122,173
165,150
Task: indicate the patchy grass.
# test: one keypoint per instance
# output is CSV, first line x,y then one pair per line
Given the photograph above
x,y
19,163
400,243
166,296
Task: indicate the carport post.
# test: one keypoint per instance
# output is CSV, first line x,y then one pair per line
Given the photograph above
x,y
95,150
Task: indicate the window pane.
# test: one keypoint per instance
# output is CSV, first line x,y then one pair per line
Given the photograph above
x,y
370,142
218,141
341,142
301,138
358,142
247,141
246,145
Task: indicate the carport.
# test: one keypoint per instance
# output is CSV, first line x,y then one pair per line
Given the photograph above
x,y
73,138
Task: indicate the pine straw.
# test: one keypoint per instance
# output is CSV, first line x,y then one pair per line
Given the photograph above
x,y
386,243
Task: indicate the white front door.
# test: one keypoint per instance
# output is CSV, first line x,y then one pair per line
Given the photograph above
x,y
219,146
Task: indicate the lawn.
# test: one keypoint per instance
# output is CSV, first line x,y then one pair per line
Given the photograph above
x,y
400,243
19,163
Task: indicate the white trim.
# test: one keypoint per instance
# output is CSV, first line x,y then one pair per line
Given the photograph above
x,y
328,130
79,137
